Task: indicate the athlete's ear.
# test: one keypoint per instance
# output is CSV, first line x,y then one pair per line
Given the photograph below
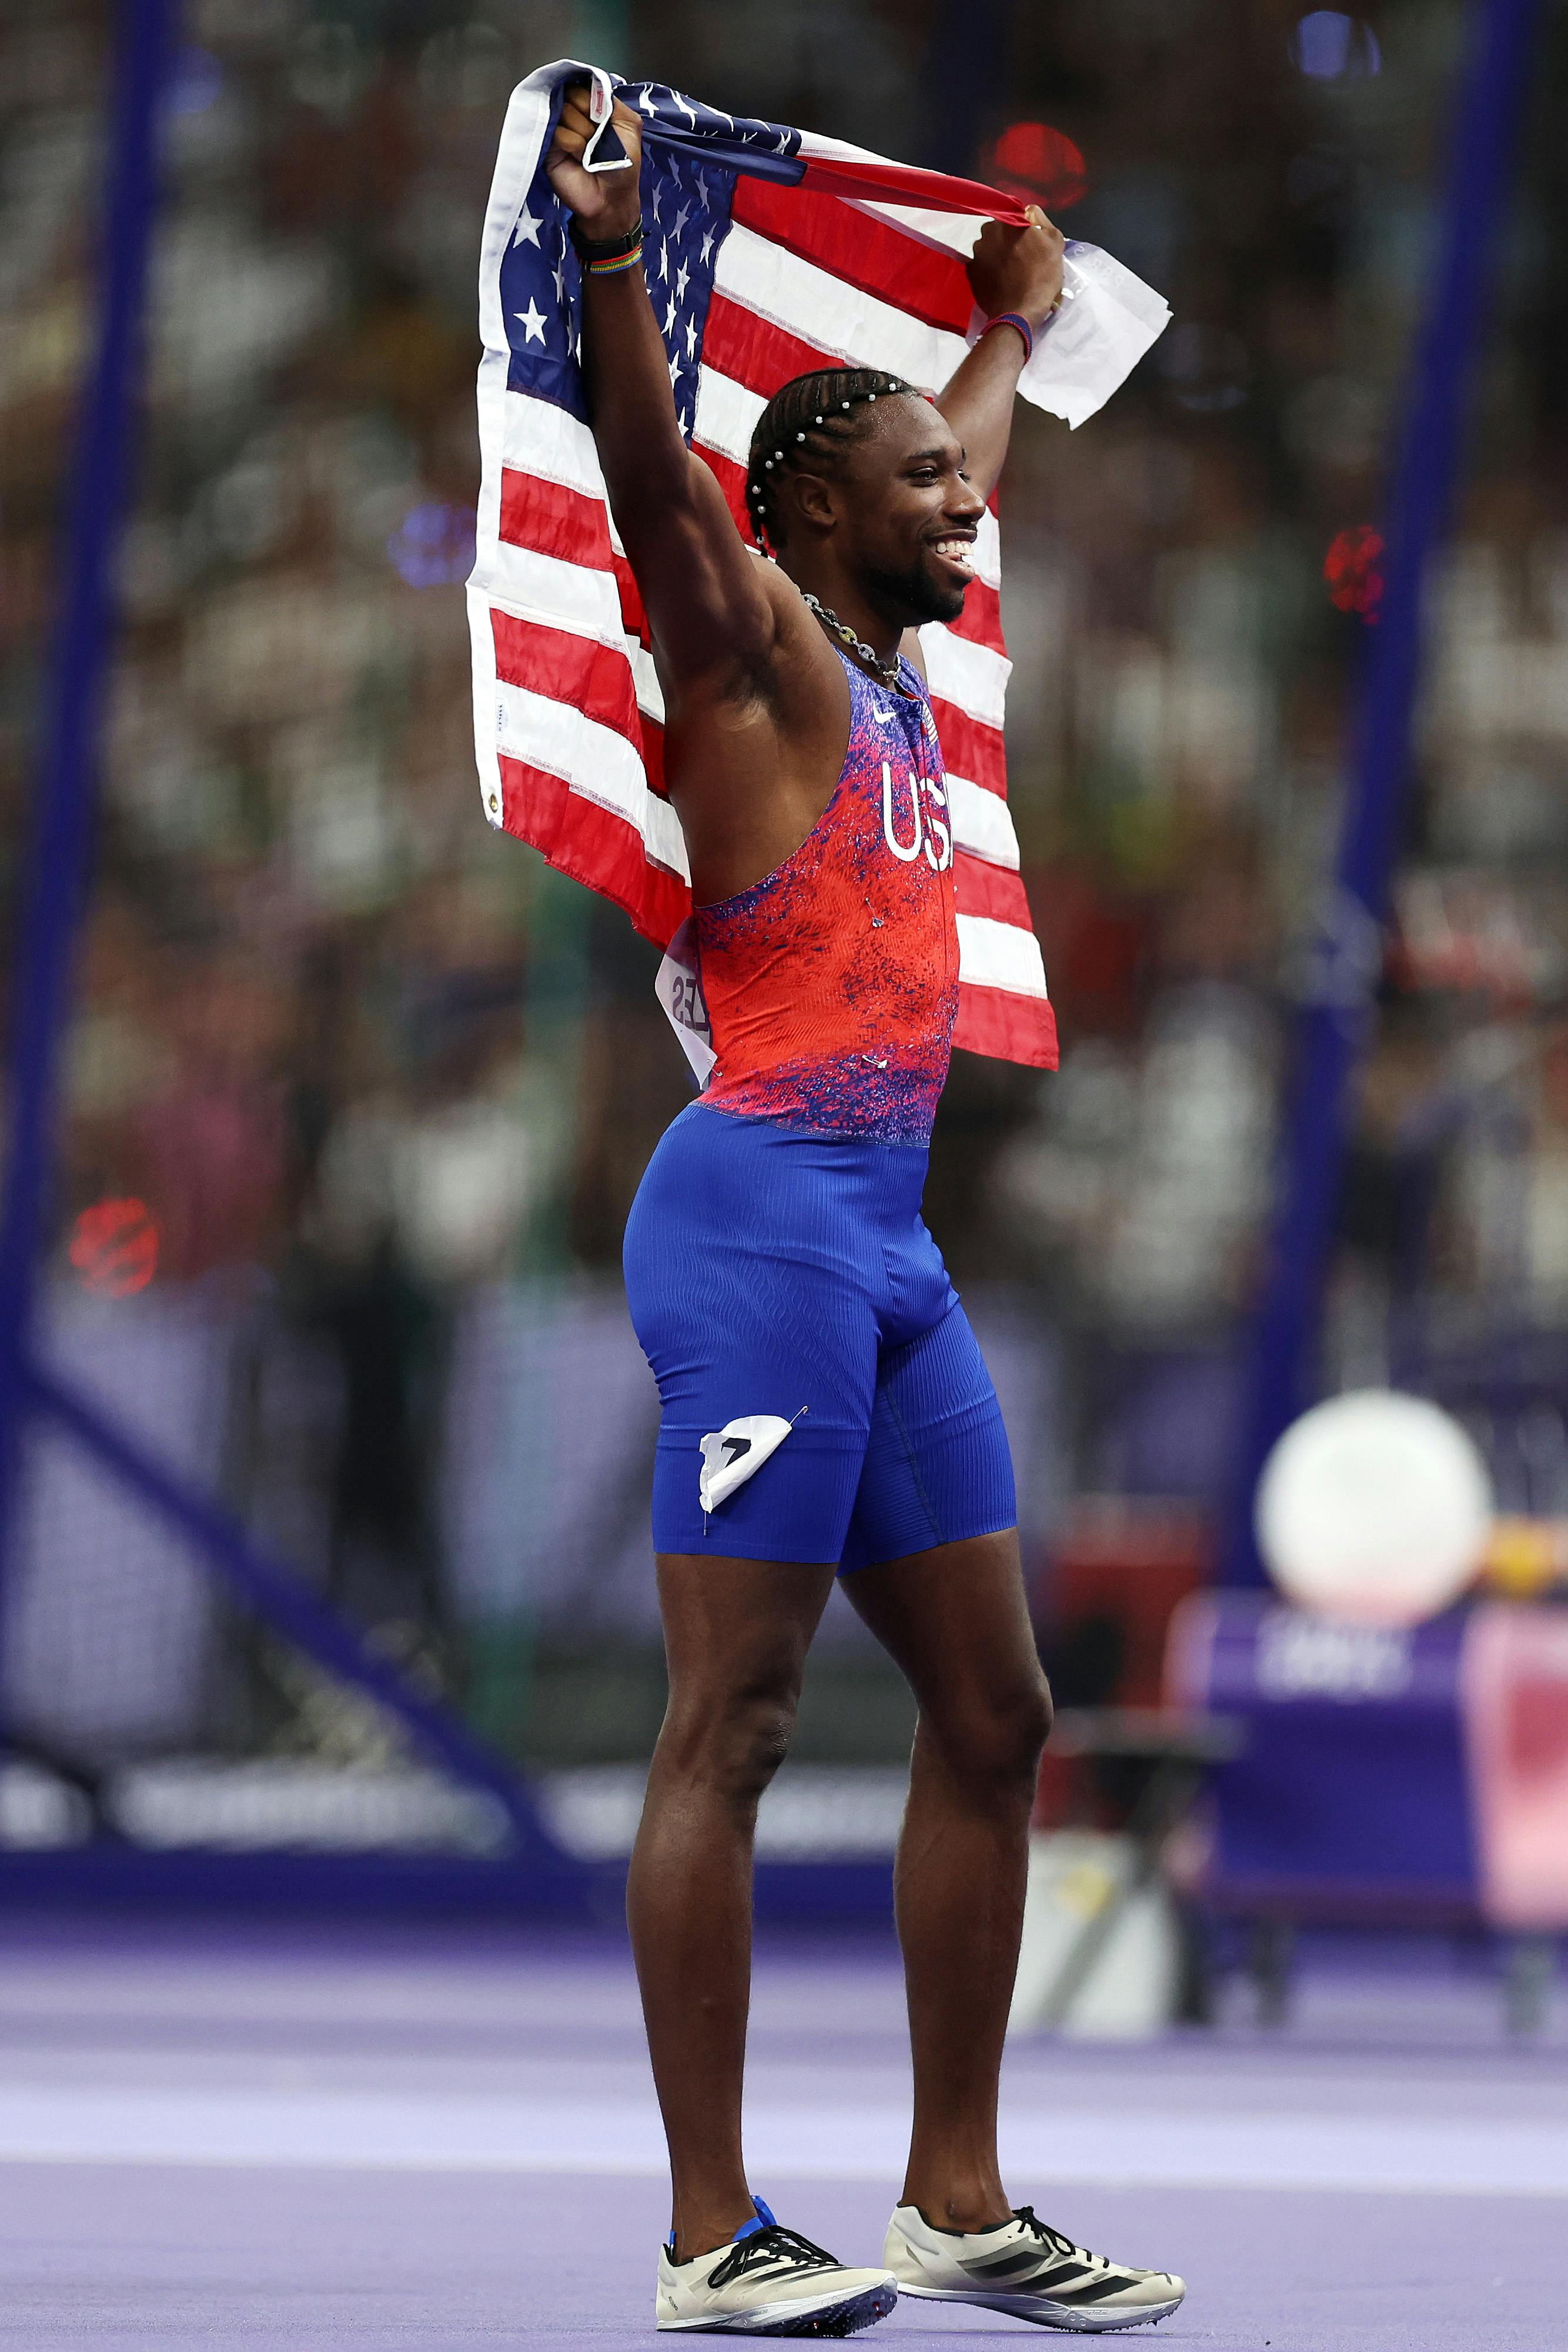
x,y
815,501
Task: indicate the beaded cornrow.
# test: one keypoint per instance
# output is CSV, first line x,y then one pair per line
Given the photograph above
x,y
829,397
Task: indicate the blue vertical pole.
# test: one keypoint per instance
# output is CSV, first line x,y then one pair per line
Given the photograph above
x,y
1335,1014
53,879
965,62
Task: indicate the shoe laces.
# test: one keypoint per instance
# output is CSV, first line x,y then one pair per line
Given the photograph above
x,y
773,2243
1054,2239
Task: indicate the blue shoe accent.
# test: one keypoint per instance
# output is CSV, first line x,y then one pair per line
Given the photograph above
x,y
764,2221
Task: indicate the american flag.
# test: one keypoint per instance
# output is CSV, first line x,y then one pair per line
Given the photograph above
x,y
768,252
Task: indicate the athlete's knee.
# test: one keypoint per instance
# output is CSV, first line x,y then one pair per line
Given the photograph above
x,y
1014,1730
729,1742
994,1741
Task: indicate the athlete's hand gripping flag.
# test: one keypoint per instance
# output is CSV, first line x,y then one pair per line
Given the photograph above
x,y
768,252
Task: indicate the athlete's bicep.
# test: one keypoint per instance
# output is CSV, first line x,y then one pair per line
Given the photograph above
x,y
705,592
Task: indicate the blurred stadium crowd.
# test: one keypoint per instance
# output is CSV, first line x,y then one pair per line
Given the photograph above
x,y
358,1094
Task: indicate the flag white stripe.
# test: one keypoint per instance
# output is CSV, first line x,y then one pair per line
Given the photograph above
x,y
543,439
560,595
727,415
987,558
598,765
830,314
957,670
981,824
999,955
956,233
482,660
492,403
645,680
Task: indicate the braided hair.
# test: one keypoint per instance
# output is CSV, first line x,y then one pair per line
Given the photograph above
x,y
808,424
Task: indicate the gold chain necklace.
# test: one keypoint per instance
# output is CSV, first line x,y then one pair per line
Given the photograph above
x,y
891,673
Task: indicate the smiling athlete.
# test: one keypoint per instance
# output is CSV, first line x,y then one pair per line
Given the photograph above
x,y
825,1407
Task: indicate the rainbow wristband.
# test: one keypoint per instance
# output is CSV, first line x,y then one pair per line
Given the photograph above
x,y
613,267
1012,319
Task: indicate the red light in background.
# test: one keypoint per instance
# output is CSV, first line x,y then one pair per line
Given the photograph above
x,y
114,1248
1043,164
1350,570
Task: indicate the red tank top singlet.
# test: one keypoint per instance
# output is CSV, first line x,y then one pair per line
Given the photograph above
x,y
833,987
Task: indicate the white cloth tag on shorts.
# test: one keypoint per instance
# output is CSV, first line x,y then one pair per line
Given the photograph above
x,y
732,1453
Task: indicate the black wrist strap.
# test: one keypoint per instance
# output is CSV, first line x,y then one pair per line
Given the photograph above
x,y
605,248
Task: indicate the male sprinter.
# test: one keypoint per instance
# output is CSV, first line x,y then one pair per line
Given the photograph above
x,y
777,1265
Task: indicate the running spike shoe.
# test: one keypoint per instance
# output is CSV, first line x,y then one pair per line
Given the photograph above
x,y
1027,2269
769,2282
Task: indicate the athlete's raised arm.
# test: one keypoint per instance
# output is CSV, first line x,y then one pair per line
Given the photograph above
x,y
1016,272
708,608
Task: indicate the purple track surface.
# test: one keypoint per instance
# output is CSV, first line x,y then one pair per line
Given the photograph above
x,y
417,2140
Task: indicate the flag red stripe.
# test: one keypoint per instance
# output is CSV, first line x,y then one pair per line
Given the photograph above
x,y
969,747
752,350
1012,1028
594,845
981,619
907,184
981,888
552,520
593,678
549,519
860,249
731,480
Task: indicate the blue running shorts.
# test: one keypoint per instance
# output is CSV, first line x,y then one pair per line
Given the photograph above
x,y
778,1270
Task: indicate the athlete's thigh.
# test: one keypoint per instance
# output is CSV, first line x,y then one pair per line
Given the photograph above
x,y
955,1618
737,1630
